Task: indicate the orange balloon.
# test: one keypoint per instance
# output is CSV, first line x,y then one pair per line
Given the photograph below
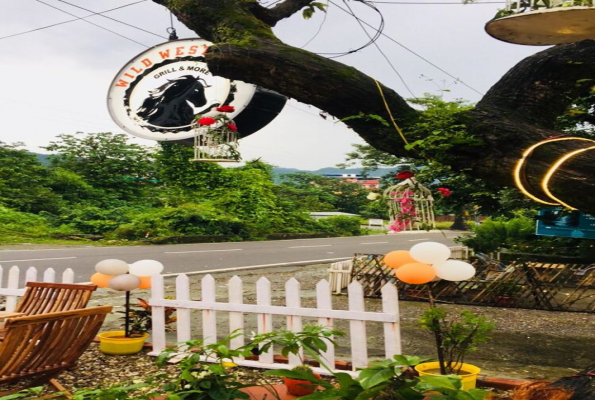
x,y
395,259
101,280
145,282
415,273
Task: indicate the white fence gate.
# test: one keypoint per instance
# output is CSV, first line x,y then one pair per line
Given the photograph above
x,y
12,292
264,311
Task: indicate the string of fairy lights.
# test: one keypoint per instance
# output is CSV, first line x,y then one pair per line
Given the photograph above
x,y
520,180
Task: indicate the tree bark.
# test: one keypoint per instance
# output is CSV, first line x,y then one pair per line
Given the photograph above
x,y
517,112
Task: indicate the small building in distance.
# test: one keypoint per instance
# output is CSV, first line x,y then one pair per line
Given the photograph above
x,y
370,183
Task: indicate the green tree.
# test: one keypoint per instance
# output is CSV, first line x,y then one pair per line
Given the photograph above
x,y
107,161
24,181
321,193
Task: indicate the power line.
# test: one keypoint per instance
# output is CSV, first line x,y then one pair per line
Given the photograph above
x,y
415,54
71,20
378,47
113,19
92,23
372,39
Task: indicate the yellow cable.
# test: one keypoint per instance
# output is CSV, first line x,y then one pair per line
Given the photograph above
x,y
546,179
519,167
389,113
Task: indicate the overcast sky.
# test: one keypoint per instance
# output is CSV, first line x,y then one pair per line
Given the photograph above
x,y
55,80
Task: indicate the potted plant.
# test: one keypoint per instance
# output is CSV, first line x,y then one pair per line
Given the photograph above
x,y
119,275
455,337
200,380
393,379
312,340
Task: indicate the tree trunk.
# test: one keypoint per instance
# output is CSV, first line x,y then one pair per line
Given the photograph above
x,y
518,112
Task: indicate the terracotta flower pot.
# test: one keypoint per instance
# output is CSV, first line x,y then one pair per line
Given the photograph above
x,y
298,387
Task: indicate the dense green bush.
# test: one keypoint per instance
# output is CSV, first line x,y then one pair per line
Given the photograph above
x,y
341,225
517,235
95,220
494,234
188,219
20,224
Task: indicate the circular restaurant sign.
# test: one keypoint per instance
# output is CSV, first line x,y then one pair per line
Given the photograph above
x,y
158,94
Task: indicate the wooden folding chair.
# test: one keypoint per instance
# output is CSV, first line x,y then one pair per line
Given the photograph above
x,y
39,347
47,297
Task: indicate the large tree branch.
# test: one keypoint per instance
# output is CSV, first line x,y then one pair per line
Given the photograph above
x,y
542,86
516,113
340,90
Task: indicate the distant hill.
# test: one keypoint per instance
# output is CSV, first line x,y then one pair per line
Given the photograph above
x,y
44,159
333,170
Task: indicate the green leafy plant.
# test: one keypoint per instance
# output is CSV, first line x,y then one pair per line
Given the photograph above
x,y
140,317
393,379
455,336
313,340
201,380
311,8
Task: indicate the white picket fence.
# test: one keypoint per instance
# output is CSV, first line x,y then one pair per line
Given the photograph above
x,y
11,292
264,311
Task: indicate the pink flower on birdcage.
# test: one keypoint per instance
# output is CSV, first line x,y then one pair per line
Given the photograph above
x,y
226,109
405,175
206,121
397,226
444,192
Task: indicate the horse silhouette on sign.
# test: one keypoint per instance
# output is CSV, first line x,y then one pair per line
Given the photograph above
x,y
174,103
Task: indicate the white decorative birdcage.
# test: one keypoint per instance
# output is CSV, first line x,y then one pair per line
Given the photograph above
x,y
544,22
216,144
410,206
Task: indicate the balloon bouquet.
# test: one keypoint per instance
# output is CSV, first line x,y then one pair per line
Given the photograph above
x,y
121,276
426,262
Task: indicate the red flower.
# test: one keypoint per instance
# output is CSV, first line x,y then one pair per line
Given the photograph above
x,y
226,109
206,121
233,127
405,175
444,192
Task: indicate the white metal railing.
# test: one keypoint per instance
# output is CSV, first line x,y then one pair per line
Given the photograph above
x,y
264,312
520,6
11,291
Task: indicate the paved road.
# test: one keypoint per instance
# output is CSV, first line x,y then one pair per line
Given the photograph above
x,y
216,256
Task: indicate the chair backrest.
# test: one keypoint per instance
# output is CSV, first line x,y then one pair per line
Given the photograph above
x,y
41,346
45,297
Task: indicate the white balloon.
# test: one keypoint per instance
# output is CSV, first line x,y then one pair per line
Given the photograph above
x,y
146,268
430,252
124,282
454,270
112,267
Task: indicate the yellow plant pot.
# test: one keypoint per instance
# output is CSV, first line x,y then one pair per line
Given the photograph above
x,y
468,373
115,342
